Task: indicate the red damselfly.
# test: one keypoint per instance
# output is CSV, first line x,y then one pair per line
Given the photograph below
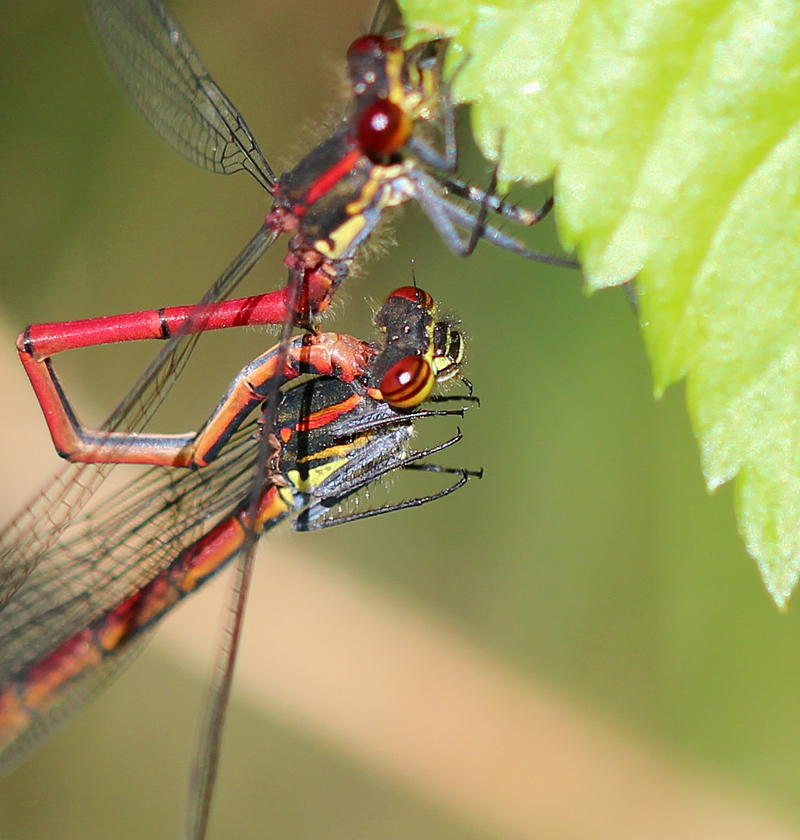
x,y
330,203
89,600
333,199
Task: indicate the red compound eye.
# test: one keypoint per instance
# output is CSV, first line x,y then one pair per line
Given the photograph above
x,y
408,382
383,129
415,295
367,44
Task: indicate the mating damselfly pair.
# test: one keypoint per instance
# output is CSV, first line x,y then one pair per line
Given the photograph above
x,y
316,444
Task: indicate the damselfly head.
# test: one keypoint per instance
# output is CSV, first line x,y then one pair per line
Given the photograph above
x,y
391,92
419,349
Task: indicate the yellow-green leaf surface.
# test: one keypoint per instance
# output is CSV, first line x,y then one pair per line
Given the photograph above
x,y
671,128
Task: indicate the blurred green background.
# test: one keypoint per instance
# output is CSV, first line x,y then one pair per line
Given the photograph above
x,y
589,555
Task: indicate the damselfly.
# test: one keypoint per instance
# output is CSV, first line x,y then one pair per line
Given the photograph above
x,y
333,199
344,420
330,203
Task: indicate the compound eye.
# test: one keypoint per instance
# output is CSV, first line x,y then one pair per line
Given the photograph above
x,y
408,382
383,129
368,45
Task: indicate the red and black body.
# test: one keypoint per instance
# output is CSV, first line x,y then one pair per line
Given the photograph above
x,y
333,199
77,616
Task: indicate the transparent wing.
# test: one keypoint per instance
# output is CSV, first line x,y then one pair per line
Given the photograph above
x,y
163,75
118,546
52,632
40,523
104,557
85,686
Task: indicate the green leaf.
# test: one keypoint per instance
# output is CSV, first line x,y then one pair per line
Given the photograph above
x,y
671,129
